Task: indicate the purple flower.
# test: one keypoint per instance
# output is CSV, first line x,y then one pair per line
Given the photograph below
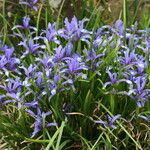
x,y
105,30
5,102
62,52
57,78
39,116
129,57
98,41
59,53
140,95
12,64
69,81
12,61
15,97
68,49
120,27
91,55
141,66
13,86
52,88
31,47
28,71
2,48
113,78
93,58
103,36
25,24
47,61
75,31
132,40
75,65
3,62
7,61
109,122
31,4
51,33
8,52
140,83
39,78
33,104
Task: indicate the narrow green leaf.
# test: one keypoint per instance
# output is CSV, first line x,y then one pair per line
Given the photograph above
x,y
51,141
60,135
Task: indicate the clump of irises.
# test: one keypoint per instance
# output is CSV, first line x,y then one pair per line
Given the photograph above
x,y
56,60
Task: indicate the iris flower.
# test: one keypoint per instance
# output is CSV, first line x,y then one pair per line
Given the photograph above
x,y
50,33
31,47
75,31
120,27
61,52
28,71
113,80
75,66
13,86
7,61
31,3
25,24
3,62
140,94
39,116
129,57
109,122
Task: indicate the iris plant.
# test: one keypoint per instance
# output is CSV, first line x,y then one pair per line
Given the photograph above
x,y
72,55
25,24
110,121
39,116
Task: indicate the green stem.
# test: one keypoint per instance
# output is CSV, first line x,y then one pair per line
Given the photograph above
x,y
59,13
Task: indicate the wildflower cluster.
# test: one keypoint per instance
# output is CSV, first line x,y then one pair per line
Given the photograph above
x,y
57,59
